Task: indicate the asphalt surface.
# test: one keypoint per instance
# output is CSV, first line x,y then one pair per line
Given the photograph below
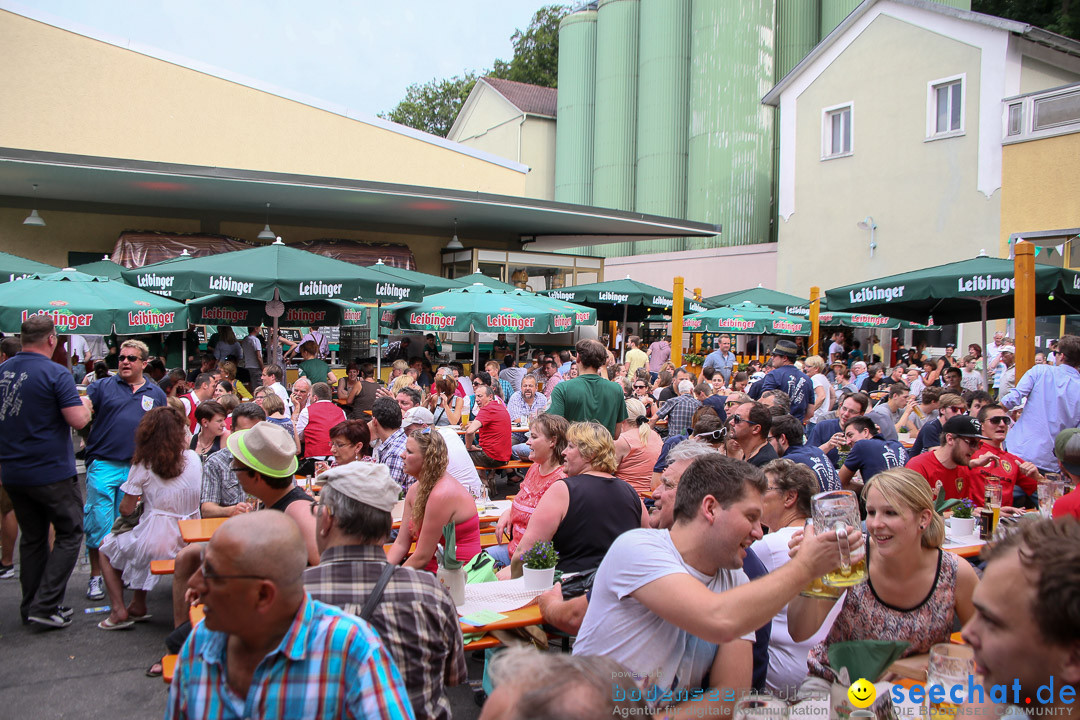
x,y
86,673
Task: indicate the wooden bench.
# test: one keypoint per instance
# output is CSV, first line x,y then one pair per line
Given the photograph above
x,y
168,663
162,567
511,465
483,643
486,540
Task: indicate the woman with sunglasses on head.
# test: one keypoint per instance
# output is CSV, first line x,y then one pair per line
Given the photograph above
x,y
547,441
435,499
914,592
168,479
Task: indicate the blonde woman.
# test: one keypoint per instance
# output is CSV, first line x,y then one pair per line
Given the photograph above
x,y
915,590
397,370
444,403
434,500
583,513
638,448
228,372
824,394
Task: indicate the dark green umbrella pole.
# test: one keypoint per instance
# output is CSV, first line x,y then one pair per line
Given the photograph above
x,y
622,354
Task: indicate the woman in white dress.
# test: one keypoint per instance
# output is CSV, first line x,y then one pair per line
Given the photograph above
x,y
168,479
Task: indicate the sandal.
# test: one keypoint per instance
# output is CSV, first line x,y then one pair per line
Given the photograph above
x,y
140,618
122,625
155,670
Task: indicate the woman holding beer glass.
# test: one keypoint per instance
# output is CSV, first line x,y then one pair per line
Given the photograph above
x,y
914,589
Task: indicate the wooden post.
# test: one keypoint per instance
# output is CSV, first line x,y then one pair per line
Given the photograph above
x,y
695,339
815,330
1024,307
676,322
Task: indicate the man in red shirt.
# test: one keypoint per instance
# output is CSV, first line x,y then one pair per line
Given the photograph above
x,y
950,462
1003,466
493,422
1067,450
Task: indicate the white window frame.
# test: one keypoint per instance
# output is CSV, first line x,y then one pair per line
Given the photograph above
x,y
826,130
931,107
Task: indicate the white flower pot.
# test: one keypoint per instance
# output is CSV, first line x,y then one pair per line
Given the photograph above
x,y
454,580
539,579
962,527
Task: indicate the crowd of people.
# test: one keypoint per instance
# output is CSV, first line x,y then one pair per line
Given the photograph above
x,y
683,499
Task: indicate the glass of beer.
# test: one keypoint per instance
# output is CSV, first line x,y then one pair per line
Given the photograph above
x,y
837,510
993,501
949,666
1049,491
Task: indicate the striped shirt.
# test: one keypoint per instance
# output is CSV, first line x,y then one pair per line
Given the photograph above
x,y
328,665
416,620
389,454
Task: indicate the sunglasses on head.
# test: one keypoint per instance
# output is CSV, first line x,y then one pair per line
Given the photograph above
x,y
129,358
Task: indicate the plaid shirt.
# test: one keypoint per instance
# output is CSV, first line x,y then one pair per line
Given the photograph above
x,y
389,454
680,413
416,620
328,665
518,408
219,483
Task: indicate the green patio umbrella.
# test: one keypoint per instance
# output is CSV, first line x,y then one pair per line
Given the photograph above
x,y
271,272
794,305
224,310
102,268
13,267
88,305
431,283
966,291
614,297
478,308
479,277
746,318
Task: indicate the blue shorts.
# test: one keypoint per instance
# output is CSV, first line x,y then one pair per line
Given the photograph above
x,y
500,553
103,496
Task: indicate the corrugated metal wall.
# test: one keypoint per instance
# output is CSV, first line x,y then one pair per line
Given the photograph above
x,y
730,149
833,13
614,147
577,99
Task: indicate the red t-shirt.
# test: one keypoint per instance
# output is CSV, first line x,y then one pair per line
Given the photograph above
x,y
495,430
1068,505
957,482
1006,470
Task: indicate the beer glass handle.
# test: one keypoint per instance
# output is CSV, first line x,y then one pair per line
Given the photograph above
x,y
845,548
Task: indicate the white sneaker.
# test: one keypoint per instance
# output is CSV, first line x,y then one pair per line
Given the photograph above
x,y
96,589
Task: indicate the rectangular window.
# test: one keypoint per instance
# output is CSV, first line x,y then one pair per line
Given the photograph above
x,y
836,135
1057,110
945,107
1016,119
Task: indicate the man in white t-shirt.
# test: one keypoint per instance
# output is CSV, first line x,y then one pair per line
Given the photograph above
x,y
674,606
251,348
836,349
458,463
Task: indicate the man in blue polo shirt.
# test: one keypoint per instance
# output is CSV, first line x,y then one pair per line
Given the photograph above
x,y
118,404
786,436
870,454
785,376
38,406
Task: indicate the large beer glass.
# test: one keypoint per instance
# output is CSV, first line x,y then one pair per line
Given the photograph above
x,y
837,510
949,666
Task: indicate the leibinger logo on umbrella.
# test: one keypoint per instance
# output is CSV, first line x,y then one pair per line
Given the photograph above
x,y
387,315
226,283
560,295
583,316
734,324
608,295
868,294
868,319
226,315
12,277
801,311
304,316
662,301
358,315
157,283
692,323
390,290
514,322
562,322
63,319
981,283
317,287
437,320
150,318
787,326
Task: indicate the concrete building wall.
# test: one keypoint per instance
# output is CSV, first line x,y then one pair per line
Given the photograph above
x,y
715,271
1040,186
1037,75
538,152
924,195
83,96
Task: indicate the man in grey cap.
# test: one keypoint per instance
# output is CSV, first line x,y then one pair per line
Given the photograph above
x,y
785,376
414,615
459,464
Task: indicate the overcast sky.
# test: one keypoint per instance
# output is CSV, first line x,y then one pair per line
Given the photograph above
x,y
360,54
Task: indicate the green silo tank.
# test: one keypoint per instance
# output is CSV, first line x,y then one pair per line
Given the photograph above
x,y
576,102
730,147
615,133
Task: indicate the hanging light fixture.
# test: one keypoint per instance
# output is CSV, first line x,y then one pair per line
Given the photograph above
x,y
454,243
267,233
33,218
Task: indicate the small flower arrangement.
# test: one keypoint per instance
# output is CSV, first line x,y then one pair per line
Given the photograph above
x,y
541,556
691,359
963,510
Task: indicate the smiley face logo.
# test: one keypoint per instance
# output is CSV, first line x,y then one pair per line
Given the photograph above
x,y
862,693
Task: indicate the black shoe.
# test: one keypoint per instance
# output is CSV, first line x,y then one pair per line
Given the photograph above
x,y
7,571
64,611
53,619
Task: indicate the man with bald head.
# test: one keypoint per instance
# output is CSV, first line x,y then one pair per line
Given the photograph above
x,y
266,648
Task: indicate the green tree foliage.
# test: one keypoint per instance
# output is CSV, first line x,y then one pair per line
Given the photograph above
x,y
433,106
1060,16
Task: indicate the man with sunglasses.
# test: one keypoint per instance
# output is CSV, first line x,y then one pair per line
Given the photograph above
x,y
266,648
950,463
117,404
750,424
1008,469
929,437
